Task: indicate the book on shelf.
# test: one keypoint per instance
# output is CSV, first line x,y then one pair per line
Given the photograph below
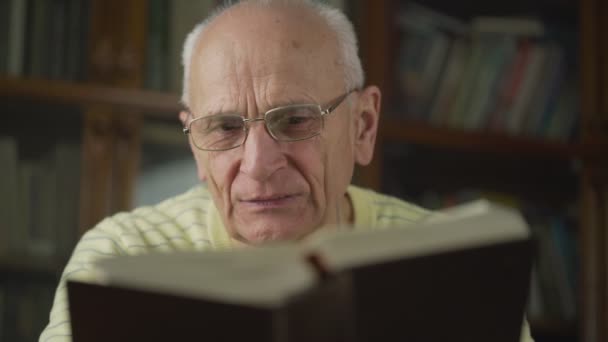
x,y
449,83
4,36
516,114
3,310
156,71
497,39
38,39
169,22
549,87
44,38
9,235
556,267
427,41
48,203
66,163
460,275
37,197
79,13
16,21
57,37
503,74
509,86
40,191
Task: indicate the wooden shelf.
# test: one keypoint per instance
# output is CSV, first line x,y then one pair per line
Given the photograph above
x,y
83,94
416,132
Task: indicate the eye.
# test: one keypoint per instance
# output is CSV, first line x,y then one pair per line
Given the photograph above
x,y
295,122
296,119
229,126
226,125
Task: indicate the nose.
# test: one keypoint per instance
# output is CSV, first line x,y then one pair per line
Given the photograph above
x,y
262,155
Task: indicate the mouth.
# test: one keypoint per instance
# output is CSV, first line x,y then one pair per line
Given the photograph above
x,y
269,202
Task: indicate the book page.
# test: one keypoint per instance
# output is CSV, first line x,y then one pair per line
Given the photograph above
x,y
477,224
260,277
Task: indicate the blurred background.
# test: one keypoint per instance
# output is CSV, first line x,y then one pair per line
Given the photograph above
x,y
504,100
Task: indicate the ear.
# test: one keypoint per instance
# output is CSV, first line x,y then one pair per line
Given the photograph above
x,y
366,125
184,117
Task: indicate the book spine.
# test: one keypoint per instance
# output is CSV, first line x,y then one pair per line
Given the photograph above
x,y
427,42
156,59
5,12
510,87
57,43
302,321
10,237
450,81
67,173
545,96
39,22
501,49
16,37
516,115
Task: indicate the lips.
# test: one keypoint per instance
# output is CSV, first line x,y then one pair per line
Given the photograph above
x,y
270,201
266,198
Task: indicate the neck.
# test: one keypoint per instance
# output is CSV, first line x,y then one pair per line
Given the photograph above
x,y
345,211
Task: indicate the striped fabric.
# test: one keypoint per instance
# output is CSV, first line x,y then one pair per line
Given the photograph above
x,y
188,222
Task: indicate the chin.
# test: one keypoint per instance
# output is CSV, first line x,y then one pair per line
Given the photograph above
x,y
260,234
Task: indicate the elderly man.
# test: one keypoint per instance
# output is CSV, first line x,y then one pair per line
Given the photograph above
x,y
277,118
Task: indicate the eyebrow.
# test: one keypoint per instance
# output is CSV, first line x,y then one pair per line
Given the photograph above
x,y
210,113
239,113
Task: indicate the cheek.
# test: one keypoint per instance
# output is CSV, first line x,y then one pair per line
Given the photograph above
x,y
326,164
220,168
311,158
340,158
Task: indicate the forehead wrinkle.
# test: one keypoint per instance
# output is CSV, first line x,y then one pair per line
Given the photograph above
x,y
280,26
267,73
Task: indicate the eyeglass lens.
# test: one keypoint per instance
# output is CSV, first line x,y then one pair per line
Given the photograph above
x,y
291,123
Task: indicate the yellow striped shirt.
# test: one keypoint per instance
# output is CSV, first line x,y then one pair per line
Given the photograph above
x,y
189,222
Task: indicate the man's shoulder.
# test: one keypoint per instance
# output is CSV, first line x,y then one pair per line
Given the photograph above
x,y
178,222
196,198
385,210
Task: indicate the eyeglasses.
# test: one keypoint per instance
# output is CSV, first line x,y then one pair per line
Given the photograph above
x,y
296,122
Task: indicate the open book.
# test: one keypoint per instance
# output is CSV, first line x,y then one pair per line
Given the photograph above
x,y
460,276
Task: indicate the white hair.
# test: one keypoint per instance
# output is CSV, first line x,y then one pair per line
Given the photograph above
x,y
335,19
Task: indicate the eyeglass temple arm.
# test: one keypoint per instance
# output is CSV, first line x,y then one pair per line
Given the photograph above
x,y
186,129
337,102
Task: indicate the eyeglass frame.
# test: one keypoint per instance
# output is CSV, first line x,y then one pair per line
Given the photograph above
x,y
324,112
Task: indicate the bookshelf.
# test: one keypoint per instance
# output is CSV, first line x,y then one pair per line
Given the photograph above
x,y
114,96
568,174
93,87
423,133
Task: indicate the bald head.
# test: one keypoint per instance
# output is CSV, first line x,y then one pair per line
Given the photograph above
x,y
251,43
294,26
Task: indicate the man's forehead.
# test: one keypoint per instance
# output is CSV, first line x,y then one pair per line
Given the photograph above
x,y
253,102
264,49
